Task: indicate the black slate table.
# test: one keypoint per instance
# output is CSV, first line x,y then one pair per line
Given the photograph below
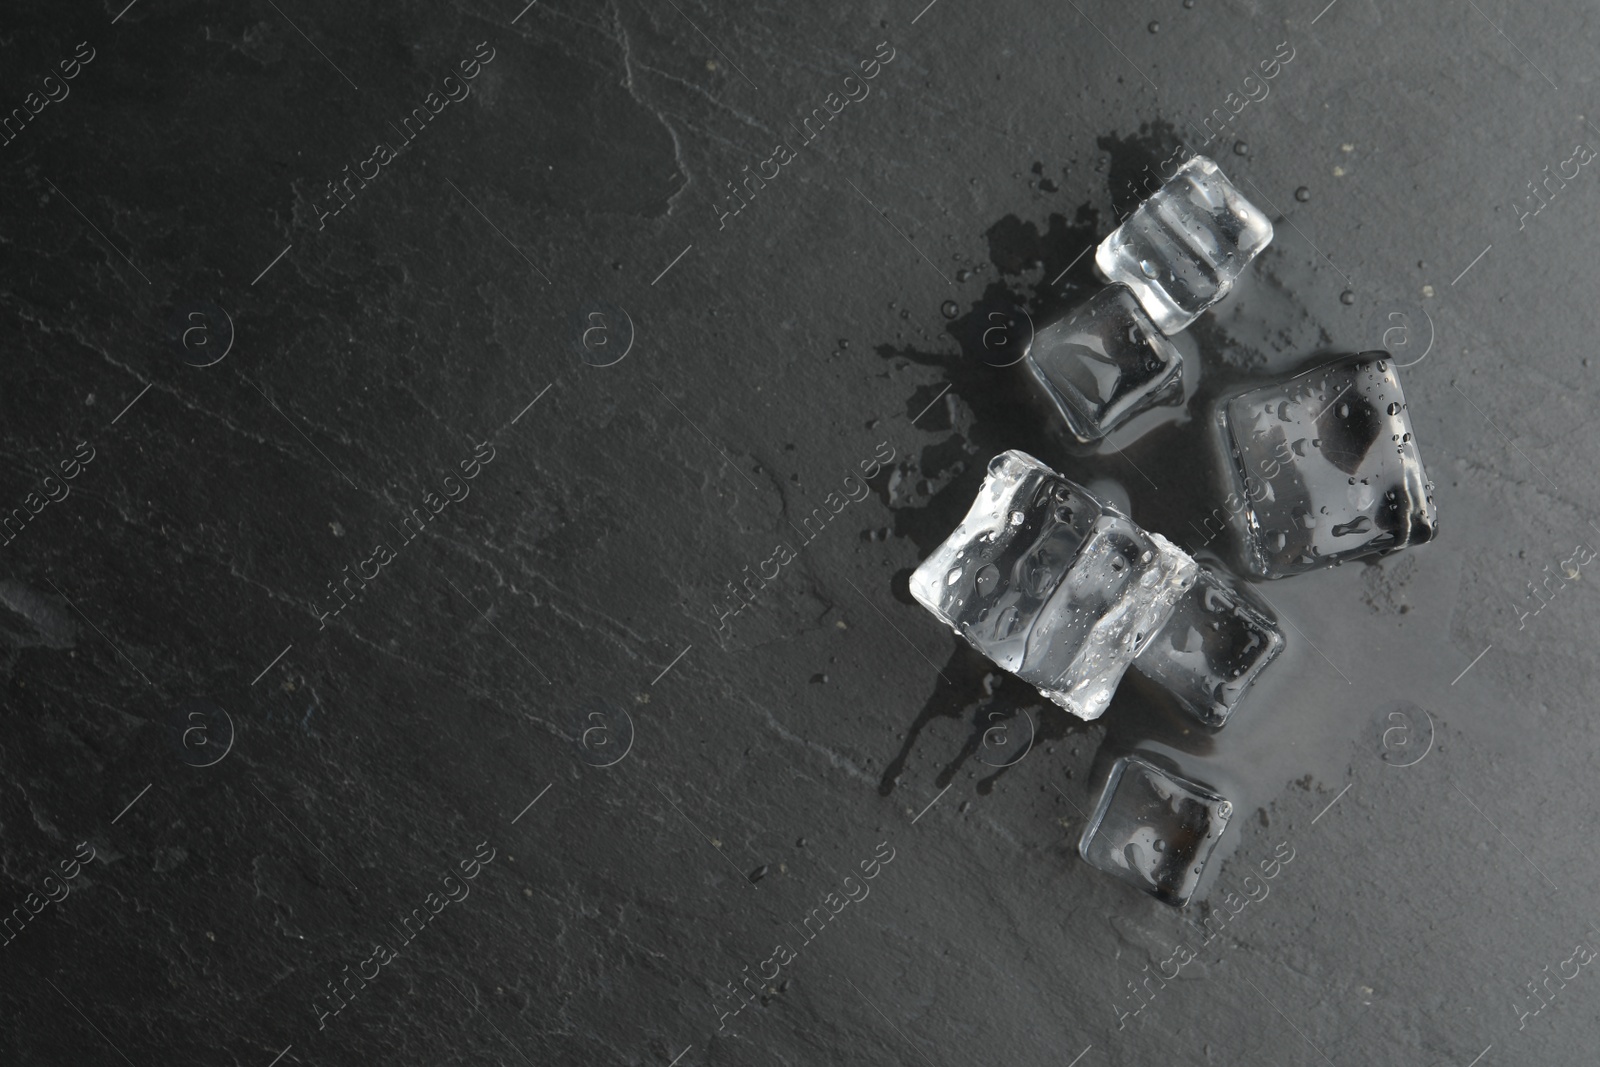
x,y
397,401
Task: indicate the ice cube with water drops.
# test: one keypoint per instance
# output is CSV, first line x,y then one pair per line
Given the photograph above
x,y
1054,586
1181,250
1211,649
1330,467
1154,830
1103,362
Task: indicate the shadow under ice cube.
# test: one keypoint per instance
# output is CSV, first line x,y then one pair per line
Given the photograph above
x,y
1210,650
1103,362
1054,586
1154,830
1330,468
1181,249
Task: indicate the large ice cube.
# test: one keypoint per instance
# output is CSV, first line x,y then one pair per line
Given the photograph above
x,y
1211,649
1330,468
1054,586
1181,249
1154,829
1103,362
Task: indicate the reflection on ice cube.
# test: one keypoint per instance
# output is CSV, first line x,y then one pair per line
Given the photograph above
x,y
1329,466
1154,830
1211,649
1054,586
1181,249
1103,362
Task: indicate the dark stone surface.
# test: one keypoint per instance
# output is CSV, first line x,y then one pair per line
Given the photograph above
x,y
267,797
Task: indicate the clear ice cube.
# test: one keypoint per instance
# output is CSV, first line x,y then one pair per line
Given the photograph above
x,y
1181,249
1211,649
1330,468
1103,362
1054,586
1154,830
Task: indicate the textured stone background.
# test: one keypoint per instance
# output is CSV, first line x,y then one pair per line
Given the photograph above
x,y
250,848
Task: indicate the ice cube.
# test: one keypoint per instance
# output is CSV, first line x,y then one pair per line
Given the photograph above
x,y
1211,649
1329,466
1103,362
1181,249
1154,829
1054,586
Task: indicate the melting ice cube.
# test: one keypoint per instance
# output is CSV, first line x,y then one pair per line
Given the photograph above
x,y
1054,586
1103,362
1211,649
1329,466
1154,829
1181,249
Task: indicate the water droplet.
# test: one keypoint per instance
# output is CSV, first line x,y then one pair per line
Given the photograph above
x,y
1017,517
953,577
963,275
1394,409
1160,845
1148,268
1302,194
949,309
1241,148
1347,298
1155,27
843,343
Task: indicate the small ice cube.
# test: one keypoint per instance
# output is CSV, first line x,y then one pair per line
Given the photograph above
x,y
1181,249
1330,468
1103,362
1211,649
1154,830
1067,597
